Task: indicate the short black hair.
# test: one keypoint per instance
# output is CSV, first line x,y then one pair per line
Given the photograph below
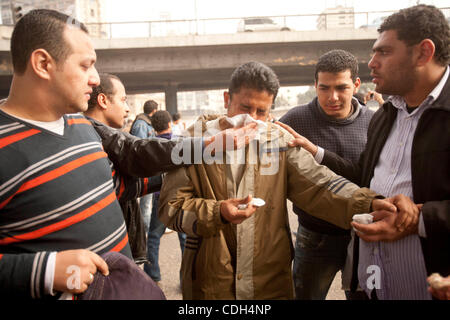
x,y
336,61
150,106
160,120
254,75
421,22
176,116
41,29
106,87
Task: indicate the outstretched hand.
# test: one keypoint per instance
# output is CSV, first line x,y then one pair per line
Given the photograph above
x,y
373,95
382,229
230,212
387,204
299,140
408,212
389,224
233,138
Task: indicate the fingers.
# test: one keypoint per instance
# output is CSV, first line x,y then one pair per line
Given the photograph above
x,y
383,204
367,229
99,263
380,230
404,204
379,215
231,213
408,216
249,127
442,294
369,95
91,278
247,130
75,269
245,200
369,233
242,136
248,211
383,229
288,128
241,215
394,218
298,142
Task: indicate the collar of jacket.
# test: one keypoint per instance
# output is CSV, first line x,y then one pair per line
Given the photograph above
x,y
356,110
94,122
144,117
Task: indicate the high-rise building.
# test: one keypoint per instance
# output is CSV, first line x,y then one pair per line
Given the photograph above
x,y
86,11
336,18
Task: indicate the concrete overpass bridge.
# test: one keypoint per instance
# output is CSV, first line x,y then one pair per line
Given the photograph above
x,y
202,62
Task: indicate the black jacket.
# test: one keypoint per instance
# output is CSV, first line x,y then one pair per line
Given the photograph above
x,y
430,170
123,151
135,156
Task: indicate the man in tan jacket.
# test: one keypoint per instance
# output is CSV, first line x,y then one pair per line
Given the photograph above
x,y
246,253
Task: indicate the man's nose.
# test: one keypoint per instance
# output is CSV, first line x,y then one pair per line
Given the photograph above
x,y
372,62
334,95
94,78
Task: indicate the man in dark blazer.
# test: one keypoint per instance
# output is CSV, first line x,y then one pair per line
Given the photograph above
x,y
408,153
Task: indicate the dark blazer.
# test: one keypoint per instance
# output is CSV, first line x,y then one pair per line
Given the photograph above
x,y
430,170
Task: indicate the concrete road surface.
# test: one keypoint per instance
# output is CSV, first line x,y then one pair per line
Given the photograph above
x,y
170,262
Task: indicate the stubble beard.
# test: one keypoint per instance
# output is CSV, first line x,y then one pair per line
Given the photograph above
x,y
404,81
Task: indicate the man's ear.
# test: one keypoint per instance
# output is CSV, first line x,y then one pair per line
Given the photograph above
x,y
426,50
42,63
357,85
226,99
102,101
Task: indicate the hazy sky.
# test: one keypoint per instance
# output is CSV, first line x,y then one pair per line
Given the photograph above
x,y
141,10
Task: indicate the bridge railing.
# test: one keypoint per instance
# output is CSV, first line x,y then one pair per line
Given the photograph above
x,y
212,26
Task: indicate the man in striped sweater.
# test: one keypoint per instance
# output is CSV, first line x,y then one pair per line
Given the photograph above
x,y
58,205
56,191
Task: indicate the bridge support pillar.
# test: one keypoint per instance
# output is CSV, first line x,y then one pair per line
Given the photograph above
x,y
171,98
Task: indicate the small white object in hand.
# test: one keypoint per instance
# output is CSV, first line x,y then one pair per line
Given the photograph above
x,y
257,202
364,218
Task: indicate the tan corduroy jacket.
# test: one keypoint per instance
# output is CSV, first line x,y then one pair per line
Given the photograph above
x,y
251,260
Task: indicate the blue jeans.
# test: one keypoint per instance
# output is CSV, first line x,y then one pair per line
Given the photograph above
x,y
318,257
145,203
155,232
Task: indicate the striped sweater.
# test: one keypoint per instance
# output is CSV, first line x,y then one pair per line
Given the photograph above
x,y
56,193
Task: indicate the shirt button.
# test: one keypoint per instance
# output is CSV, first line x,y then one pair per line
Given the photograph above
x,y
239,276
375,250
